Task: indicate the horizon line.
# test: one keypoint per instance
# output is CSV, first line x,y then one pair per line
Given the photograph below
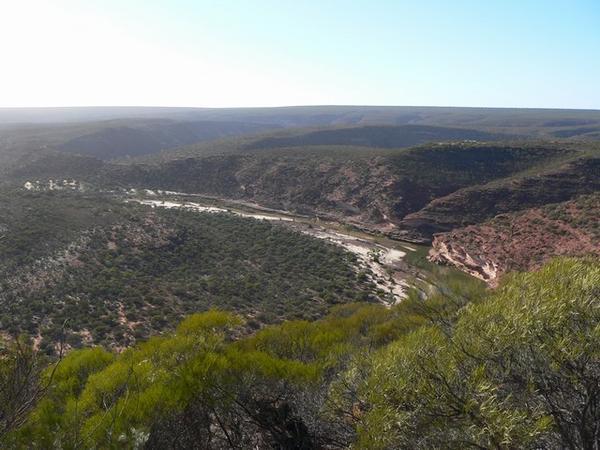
x,y
299,106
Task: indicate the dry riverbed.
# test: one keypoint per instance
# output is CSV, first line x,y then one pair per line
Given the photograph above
x,y
385,264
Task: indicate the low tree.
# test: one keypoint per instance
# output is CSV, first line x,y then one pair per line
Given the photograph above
x,y
519,369
20,383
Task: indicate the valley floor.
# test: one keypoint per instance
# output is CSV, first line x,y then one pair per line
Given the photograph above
x,y
384,259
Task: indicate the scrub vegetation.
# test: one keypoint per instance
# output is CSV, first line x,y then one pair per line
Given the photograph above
x,y
518,367
99,271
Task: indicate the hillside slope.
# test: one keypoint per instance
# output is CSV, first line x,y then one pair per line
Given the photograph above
x,y
472,370
102,271
411,193
353,174
478,203
522,241
119,138
373,187
151,137
375,136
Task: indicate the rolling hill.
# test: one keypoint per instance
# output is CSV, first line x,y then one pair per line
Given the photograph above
x,y
533,122
375,136
118,138
356,174
407,181
125,132
103,253
150,137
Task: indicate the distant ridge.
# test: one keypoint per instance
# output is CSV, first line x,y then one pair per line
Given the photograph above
x,y
302,116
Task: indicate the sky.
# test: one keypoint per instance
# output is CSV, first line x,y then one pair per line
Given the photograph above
x,y
493,53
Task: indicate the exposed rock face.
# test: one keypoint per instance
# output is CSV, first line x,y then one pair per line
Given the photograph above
x,y
447,252
523,240
409,194
379,189
325,186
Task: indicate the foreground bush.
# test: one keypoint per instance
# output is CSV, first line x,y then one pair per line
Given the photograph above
x,y
520,369
516,368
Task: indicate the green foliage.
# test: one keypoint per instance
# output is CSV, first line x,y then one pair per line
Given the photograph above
x,y
252,388
20,384
116,273
66,379
515,368
120,397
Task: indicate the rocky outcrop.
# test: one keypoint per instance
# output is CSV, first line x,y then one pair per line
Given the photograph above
x,y
407,194
522,241
446,252
375,188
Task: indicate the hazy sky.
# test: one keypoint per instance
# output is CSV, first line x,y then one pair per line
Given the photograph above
x,y
265,53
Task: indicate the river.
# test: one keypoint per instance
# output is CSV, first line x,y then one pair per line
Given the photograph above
x,y
384,263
